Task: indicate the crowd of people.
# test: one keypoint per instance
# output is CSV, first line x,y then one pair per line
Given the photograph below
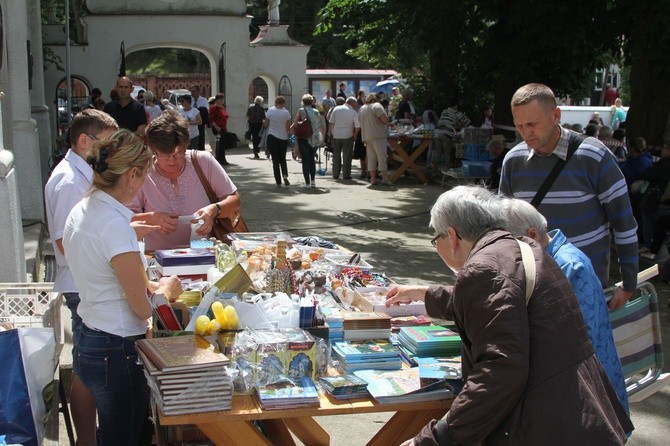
x,y
132,172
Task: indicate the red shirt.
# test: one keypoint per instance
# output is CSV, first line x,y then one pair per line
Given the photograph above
x,y
218,115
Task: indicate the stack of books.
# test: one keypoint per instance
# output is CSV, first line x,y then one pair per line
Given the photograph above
x,y
185,374
285,393
333,319
344,387
432,370
433,340
359,326
358,355
402,386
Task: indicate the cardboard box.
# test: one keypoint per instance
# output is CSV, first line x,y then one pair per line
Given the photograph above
x,y
372,299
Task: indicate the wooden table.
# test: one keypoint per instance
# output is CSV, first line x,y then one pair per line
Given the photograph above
x,y
398,144
235,426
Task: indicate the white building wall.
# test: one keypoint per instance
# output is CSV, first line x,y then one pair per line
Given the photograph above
x,y
99,61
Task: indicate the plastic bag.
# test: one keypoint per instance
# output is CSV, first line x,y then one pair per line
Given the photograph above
x,y
27,368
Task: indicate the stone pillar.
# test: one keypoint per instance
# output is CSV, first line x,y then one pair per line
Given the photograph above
x,y
21,138
39,108
13,261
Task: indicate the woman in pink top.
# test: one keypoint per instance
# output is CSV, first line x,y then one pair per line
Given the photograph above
x,y
172,187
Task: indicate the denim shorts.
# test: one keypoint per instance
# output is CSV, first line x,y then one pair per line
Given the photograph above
x,y
72,302
109,368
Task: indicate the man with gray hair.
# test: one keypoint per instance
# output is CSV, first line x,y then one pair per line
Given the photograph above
x,y
524,220
588,197
344,128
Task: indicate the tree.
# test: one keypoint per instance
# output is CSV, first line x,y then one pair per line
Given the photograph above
x,y
646,49
473,48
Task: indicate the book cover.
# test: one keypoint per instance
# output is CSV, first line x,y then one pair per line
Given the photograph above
x,y
343,384
184,256
431,333
402,386
181,353
439,368
164,313
287,393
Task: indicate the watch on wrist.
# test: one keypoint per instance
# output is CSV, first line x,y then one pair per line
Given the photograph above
x,y
218,209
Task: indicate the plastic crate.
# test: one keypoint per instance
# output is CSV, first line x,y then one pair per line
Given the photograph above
x,y
477,168
24,304
476,152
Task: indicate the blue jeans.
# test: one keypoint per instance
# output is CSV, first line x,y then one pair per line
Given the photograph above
x,y
72,302
108,367
307,153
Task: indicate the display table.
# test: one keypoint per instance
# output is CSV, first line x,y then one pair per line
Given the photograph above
x,y
398,144
235,426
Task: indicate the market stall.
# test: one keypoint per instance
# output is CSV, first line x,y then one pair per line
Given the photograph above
x,y
285,314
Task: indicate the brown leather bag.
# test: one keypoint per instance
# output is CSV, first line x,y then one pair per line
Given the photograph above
x,y
222,226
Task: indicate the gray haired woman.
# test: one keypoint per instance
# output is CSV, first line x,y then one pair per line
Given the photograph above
x,y
529,370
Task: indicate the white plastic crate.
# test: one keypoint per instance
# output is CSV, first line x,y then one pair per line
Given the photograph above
x,y
24,304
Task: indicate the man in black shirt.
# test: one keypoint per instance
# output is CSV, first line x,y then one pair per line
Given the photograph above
x,y
128,113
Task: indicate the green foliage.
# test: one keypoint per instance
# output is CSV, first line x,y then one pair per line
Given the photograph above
x,y
166,61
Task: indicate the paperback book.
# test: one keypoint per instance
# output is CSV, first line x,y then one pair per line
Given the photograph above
x,y
286,393
433,340
402,386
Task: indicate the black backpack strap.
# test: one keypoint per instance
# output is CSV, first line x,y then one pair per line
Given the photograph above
x,y
574,142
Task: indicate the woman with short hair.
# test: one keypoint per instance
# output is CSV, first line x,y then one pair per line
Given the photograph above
x,y
529,370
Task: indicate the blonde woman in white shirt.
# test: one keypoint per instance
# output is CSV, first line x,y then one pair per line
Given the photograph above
x,y
103,253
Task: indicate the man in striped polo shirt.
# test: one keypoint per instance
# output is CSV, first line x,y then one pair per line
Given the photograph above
x,y
589,196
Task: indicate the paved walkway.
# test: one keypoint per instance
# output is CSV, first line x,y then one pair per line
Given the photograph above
x,y
388,226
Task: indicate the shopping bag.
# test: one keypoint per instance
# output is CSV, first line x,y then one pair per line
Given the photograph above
x,y
27,368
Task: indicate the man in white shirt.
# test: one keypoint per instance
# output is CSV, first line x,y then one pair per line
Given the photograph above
x,y
344,128
68,184
202,105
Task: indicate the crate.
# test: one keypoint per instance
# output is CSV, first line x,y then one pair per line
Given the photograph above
x,y
25,304
477,168
476,152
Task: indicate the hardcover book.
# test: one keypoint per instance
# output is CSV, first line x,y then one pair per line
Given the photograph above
x,y
177,353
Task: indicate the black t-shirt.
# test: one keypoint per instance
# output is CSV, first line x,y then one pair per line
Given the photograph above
x,y
129,117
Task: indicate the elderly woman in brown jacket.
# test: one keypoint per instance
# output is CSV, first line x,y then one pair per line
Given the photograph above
x,y
530,374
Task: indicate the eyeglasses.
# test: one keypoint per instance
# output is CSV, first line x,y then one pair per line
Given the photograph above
x,y
93,137
433,241
177,154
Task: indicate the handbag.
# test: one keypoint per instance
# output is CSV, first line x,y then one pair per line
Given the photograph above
x,y
302,128
222,226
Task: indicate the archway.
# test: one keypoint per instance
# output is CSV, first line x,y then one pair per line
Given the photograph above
x,y
64,111
263,85
158,67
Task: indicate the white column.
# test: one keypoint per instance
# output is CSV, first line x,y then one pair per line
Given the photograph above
x,y
22,138
39,108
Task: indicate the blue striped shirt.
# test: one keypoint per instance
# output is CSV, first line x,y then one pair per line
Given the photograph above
x,y
588,198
